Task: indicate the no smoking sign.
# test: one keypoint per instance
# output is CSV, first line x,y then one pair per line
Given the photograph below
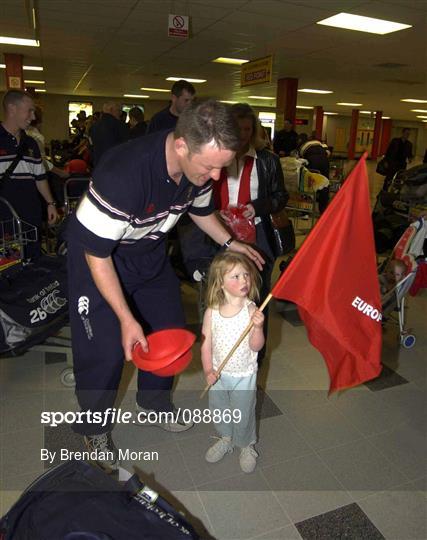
x,y
178,26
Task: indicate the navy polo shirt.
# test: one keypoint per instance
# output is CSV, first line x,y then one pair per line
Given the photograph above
x,y
132,202
162,120
20,189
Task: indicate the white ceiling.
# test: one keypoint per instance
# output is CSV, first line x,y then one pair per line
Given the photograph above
x,y
113,47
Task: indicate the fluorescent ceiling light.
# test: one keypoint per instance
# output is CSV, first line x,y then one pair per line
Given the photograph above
x,y
303,107
262,97
232,61
33,68
424,120
135,96
419,110
386,117
186,79
365,112
349,21
34,82
350,104
418,116
229,102
314,91
29,68
39,90
330,113
410,100
19,41
155,89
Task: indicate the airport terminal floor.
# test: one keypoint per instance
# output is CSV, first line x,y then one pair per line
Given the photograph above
x,y
352,465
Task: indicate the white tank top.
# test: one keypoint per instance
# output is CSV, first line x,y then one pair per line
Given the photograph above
x,y
225,332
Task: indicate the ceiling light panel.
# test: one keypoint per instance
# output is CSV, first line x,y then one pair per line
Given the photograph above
x,y
231,61
188,79
155,89
19,41
413,100
315,91
371,25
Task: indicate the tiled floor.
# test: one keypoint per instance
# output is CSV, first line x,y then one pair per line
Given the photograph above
x,y
349,466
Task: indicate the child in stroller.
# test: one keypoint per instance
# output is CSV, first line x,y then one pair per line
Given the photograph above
x,y
399,272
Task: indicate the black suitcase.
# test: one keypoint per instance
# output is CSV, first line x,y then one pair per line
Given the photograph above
x,y
76,501
33,304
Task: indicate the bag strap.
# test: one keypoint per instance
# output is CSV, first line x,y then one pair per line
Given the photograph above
x,y
19,155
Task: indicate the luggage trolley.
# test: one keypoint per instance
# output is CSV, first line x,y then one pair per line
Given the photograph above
x,y
336,173
302,204
74,188
15,234
19,336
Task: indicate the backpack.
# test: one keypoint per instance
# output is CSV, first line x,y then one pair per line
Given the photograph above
x,y
76,501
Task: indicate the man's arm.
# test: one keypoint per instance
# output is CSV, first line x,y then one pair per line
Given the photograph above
x,y
107,282
44,190
213,228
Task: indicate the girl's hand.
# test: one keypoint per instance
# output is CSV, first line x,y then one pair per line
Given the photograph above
x,y
258,319
211,377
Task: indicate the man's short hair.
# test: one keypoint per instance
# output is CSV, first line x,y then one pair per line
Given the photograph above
x,y
12,97
179,87
207,121
136,114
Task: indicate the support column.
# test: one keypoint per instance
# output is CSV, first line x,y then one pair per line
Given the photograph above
x,y
14,74
318,121
377,135
353,133
286,99
385,136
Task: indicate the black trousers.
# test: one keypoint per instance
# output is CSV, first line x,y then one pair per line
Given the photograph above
x,y
152,291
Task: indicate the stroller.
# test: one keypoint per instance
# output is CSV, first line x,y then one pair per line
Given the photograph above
x,y
410,250
406,199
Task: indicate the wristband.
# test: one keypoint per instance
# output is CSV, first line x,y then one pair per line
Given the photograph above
x,y
52,203
227,244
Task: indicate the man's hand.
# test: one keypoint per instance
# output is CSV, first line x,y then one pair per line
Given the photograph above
x,y
52,214
132,334
250,252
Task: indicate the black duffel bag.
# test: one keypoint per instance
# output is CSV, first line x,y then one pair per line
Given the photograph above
x,y
33,304
76,501
383,167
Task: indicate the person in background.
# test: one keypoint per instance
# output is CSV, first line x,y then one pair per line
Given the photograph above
x,y
183,94
27,180
317,155
255,180
138,126
398,155
285,140
109,131
34,132
232,288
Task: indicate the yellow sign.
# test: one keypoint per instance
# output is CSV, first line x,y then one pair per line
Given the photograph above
x,y
256,72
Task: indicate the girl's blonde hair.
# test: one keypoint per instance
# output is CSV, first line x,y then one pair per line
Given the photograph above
x,y
222,264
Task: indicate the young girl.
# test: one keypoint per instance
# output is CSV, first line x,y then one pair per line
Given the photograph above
x,y
232,286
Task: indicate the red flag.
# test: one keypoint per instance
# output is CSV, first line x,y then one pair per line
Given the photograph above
x,y
333,280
